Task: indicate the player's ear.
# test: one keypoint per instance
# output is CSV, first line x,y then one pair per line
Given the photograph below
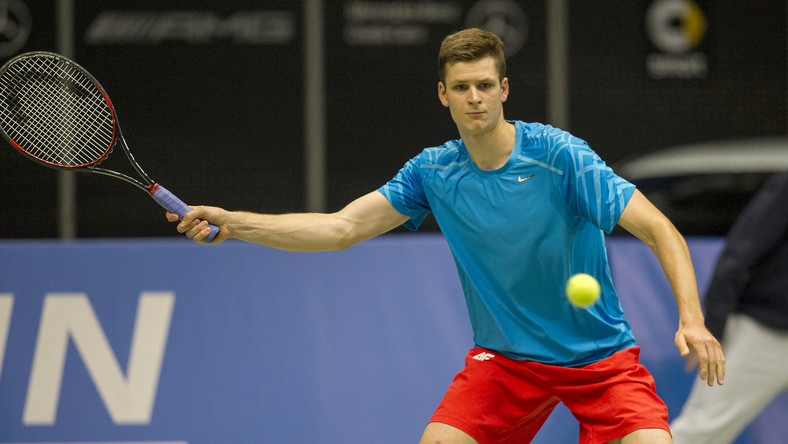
x,y
442,94
504,89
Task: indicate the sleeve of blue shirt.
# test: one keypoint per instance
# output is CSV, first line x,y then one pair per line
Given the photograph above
x,y
592,189
406,194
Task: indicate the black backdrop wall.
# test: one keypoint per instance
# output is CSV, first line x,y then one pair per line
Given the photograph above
x,y
211,95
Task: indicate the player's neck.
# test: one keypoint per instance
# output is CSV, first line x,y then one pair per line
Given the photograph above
x,y
491,150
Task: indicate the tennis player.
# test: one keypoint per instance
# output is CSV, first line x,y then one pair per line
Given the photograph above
x,y
523,207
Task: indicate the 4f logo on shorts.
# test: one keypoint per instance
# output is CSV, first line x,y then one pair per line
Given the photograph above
x,y
484,356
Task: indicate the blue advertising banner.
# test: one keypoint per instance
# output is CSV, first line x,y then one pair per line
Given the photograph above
x,y
165,341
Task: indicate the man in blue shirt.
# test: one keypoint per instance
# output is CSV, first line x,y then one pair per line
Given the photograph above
x,y
523,206
520,230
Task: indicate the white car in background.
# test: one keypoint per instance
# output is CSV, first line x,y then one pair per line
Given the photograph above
x,y
703,187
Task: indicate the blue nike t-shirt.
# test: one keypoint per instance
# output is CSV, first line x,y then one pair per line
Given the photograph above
x,y
518,233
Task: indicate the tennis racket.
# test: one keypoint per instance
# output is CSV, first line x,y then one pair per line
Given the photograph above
x,y
57,114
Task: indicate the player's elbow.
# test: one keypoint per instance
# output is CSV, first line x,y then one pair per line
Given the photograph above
x,y
345,234
344,243
662,232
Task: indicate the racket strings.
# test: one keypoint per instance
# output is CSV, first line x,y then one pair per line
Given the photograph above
x,y
55,112
48,98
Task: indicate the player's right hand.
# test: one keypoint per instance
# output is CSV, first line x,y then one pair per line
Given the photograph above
x,y
195,224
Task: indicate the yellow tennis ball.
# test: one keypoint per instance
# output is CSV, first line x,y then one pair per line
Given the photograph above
x,y
582,290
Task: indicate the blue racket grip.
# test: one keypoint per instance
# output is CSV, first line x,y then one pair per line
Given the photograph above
x,y
175,205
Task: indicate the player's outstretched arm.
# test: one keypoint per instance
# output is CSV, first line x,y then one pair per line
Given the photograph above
x,y
365,217
647,223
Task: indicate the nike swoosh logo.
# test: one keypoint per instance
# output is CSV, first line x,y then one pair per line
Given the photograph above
x,y
523,179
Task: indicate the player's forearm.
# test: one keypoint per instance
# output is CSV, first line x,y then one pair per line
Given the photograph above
x,y
671,249
304,232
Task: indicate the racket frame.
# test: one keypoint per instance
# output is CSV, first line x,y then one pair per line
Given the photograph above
x,y
160,194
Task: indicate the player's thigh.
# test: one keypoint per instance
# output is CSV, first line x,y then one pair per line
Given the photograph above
x,y
644,436
438,432
647,436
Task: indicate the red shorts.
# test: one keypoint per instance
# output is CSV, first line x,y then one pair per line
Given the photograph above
x,y
496,399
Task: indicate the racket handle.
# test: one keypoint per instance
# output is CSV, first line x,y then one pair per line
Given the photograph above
x,y
174,205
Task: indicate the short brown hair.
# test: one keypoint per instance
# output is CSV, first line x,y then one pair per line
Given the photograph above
x,y
470,45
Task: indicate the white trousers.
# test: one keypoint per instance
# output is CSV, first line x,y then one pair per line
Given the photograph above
x,y
756,371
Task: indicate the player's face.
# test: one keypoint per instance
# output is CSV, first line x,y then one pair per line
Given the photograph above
x,y
474,95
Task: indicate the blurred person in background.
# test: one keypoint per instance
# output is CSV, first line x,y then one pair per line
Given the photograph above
x,y
747,308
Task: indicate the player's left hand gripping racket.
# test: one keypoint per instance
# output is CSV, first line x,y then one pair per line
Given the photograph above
x,y
57,114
